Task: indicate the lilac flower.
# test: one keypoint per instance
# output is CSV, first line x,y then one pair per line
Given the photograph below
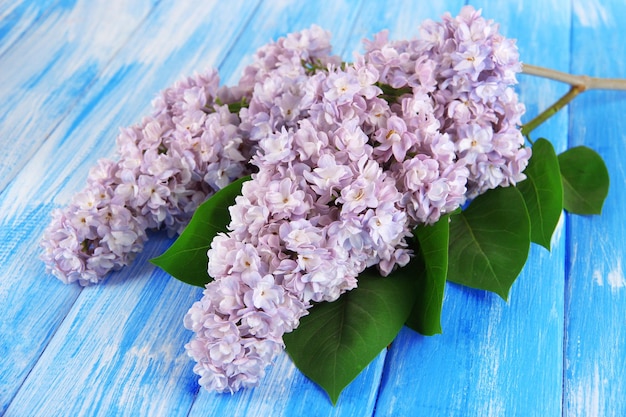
x,y
171,162
461,96
343,175
315,229
345,159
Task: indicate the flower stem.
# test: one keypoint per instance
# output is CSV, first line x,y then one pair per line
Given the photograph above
x,y
585,81
579,84
552,110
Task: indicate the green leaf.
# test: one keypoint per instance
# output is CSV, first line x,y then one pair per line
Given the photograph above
x,y
337,340
429,269
186,259
543,192
585,180
489,241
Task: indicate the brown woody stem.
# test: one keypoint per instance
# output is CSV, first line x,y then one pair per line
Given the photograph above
x,y
579,84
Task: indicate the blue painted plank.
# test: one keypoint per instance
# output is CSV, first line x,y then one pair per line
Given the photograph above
x,y
25,330
596,288
125,337
51,67
401,18
17,17
496,358
285,391
120,97
31,305
275,19
118,352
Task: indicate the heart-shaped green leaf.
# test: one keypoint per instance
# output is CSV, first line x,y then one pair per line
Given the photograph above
x,y
187,259
543,192
585,180
337,340
430,269
489,241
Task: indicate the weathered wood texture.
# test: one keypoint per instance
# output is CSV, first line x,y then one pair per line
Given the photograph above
x,y
74,71
595,292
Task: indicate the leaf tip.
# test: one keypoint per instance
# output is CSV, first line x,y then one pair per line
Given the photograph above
x,y
425,330
154,261
504,294
546,244
332,392
433,331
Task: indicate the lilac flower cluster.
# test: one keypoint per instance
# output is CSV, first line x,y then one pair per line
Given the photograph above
x,y
346,158
190,147
456,134
319,211
351,158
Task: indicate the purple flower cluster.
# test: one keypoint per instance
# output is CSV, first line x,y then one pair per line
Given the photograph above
x,y
350,159
319,211
456,134
346,160
190,147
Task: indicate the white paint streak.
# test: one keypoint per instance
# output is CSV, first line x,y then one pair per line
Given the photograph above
x,y
593,405
97,35
491,404
615,278
594,401
164,41
591,13
597,278
587,396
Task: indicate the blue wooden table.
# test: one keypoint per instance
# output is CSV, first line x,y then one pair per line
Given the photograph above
x,y
73,71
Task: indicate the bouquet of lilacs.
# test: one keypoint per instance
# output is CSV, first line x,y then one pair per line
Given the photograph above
x,y
331,201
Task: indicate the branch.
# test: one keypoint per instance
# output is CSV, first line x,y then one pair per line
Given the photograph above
x,y
551,111
583,82
579,84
